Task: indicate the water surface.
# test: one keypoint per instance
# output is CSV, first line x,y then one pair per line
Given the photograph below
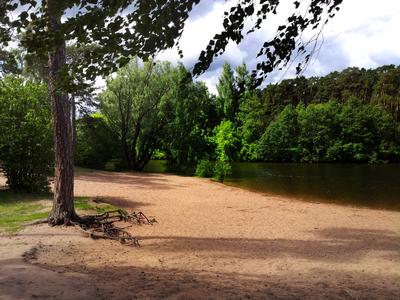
x,y
376,186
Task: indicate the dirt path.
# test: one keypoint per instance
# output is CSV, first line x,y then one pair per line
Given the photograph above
x,y
211,242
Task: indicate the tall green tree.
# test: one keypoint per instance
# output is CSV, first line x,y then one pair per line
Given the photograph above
x,y
280,139
231,87
318,127
252,122
138,105
227,99
387,91
187,138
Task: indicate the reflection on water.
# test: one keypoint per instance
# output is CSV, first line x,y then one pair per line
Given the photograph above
x,y
364,185
376,186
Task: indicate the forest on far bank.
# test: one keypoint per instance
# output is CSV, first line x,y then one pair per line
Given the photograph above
x,y
159,112
156,110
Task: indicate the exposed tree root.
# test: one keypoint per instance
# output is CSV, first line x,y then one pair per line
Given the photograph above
x,y
103,226
36,222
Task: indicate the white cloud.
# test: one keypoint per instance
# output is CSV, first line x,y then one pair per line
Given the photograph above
x,y
367,32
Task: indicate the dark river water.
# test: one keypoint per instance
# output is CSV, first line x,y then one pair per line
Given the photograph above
x,y
376,186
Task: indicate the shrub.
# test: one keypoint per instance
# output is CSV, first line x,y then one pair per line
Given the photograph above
x,y
205,168
221,170
226,141
95,143
26,155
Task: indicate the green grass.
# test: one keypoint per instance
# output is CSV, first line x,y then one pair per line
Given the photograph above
x,y
84,203
18,209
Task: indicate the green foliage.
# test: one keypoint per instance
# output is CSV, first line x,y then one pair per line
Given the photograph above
x,y
10,62
232,86
279,140
26,155
138,105
217,170
331,132
227,100
373,86
366,131
95,142
318,128
386,91
226,141
252,124
185,140
221,170
205,168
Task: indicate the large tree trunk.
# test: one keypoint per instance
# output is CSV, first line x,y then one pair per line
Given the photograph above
x,y
63,205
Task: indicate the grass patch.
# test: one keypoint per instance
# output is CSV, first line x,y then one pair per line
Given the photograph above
x,y
85,203
18,209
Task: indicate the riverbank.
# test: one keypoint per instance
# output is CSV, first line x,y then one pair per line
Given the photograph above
x,y
211,241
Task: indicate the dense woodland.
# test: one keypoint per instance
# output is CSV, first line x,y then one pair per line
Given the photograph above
x,y
159,112
155,110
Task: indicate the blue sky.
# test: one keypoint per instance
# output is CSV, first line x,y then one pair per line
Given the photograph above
x,y
364,34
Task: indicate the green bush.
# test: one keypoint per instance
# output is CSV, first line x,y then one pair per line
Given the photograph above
x,y
95,143
26,140
205,168
221,170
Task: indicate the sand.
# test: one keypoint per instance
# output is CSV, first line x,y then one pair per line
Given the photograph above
x,y
211,242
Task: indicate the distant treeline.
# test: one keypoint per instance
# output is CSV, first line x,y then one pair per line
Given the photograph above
x,y
159,112
350,116
380,86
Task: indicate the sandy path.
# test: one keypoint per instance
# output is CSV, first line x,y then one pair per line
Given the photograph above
x,y
212,241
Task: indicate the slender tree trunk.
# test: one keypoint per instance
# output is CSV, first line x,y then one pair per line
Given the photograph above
x,y
127,153
63,206
73,125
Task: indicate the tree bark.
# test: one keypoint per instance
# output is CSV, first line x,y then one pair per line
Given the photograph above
x,y
73,125
63,205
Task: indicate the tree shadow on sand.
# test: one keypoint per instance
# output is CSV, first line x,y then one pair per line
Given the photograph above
x,y
133,179
128,282
332,245
121,202
116,280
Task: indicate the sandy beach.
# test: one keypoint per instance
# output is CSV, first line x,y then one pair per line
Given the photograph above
x,y
211,242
